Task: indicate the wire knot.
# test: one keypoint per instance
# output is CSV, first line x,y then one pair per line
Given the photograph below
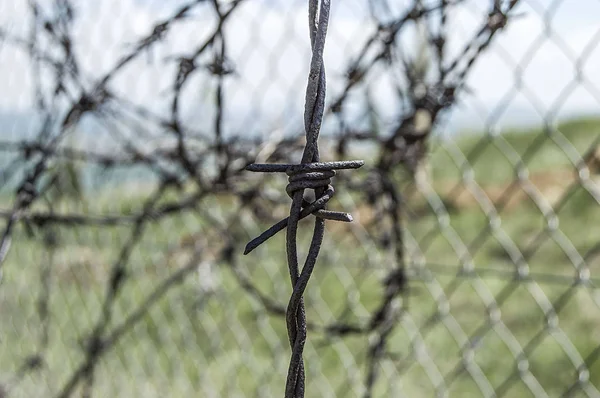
x,y
301,180
316,176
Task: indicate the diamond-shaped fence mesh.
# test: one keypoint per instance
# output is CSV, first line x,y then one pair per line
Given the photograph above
x,y
471,266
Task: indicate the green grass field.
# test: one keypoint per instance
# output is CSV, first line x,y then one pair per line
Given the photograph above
x,y
226,345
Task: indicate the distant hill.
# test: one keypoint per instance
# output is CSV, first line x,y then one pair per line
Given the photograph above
x,y
494,159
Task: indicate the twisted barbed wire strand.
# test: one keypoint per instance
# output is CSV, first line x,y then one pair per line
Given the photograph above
x,y
310,174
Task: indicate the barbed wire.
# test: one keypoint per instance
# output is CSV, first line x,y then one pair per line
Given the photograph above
x,y
313,175
199,175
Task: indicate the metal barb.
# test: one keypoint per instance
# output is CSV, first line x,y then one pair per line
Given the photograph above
x,y
309,174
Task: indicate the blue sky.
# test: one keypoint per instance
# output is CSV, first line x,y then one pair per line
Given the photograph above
x,y
269,44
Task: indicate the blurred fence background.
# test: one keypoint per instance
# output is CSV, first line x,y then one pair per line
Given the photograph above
x,y
471,267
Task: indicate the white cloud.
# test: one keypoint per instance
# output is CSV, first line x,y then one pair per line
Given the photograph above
x,y
14,79
268,42
544,61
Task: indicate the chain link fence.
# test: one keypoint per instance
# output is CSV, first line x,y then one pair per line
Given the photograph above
x,y
470,267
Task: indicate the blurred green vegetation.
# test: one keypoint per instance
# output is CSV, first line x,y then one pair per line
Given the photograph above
x,y
227,345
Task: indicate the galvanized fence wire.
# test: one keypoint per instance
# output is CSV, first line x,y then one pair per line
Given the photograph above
x,y
447,286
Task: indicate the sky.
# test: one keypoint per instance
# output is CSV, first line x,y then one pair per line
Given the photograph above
x,y
527,74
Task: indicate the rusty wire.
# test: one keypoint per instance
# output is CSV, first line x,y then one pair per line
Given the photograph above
x,y
310,174
198,168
